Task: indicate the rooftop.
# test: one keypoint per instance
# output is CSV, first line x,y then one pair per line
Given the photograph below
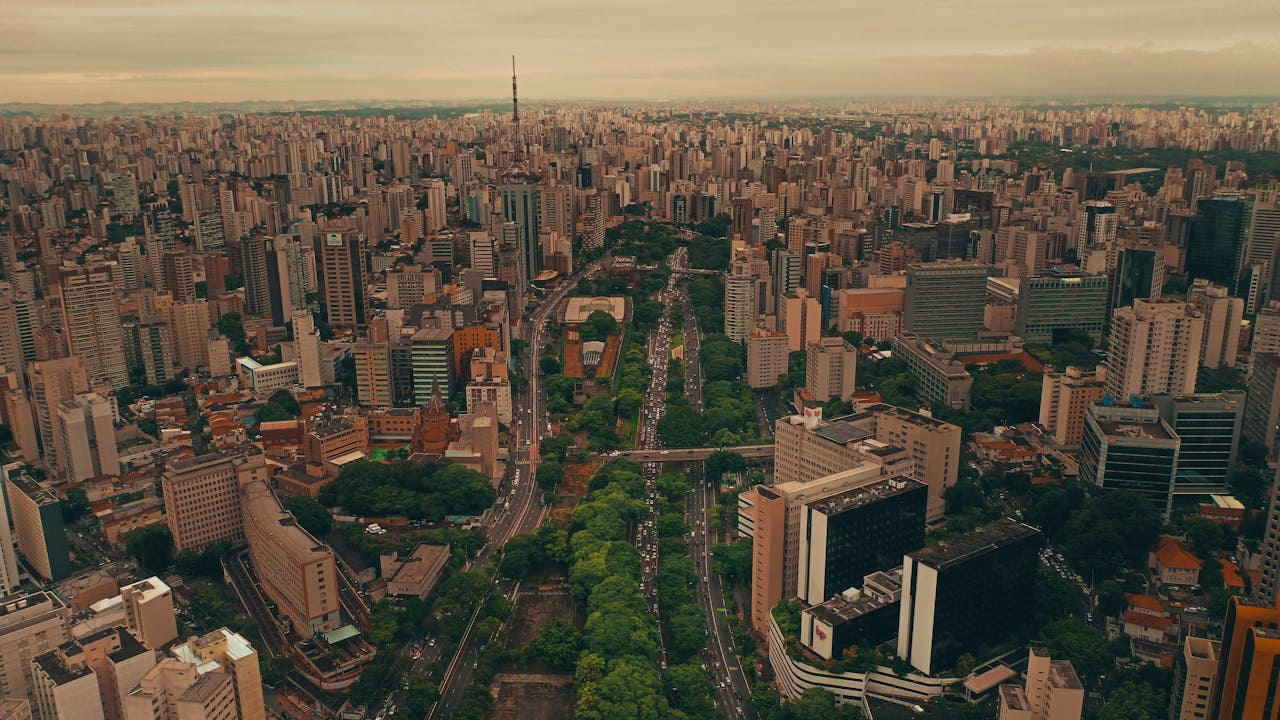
x,y
1001,533
865,495
838,610
1134,430
1171,554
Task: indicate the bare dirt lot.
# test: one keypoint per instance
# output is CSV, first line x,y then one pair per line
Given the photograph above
x,y
527,696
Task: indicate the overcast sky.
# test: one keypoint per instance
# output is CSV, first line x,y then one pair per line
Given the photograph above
x,y
70,51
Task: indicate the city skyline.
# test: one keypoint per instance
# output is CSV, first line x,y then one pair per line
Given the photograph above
x,y
63,52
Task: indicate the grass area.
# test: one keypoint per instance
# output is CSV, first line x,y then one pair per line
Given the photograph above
x,y
379,454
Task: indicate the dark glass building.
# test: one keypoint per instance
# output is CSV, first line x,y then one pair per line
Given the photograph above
x,y
966,594
1216,240
1208,426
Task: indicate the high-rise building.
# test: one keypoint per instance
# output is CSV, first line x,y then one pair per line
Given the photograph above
x,y
1250,650
179,271
976,589
483,253
595,219
1223,316
286,278
373,373
306,349
1053,691
38,529
257,280
945,300
1195,675
51,382
1216,243
850,534
343,258
202,497
296,571
30,625
1139,275
189,330
118,661
831,369
1055,300
521,205
1130,447
1096,226
1208,428
740,305
433,191
767,357
92,324
1266,329
432,362
1262,401
1064,398
148,347
1155,349
148,612
800,317
63,687
1268,589
228,652
939,376
787,270
1262,243
86,424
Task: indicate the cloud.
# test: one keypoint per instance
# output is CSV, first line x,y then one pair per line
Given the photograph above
x,y
65,51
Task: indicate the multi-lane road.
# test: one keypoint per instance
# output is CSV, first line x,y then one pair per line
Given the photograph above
x,y
522,510
733,692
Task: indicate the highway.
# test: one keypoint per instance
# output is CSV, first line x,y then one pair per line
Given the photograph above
x,y
733,692
523,510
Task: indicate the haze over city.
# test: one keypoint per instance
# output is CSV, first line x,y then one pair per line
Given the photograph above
x,y
74,51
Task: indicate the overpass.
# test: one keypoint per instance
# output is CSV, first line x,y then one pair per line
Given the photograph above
x,y
691,454
695,271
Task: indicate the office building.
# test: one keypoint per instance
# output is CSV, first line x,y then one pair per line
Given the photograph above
x,y
1096,226
521,205
91,324
831,368
1195,673
1154,349
1064,398
969,592
343,261
1223,316
149,613
1052,692
775,550
1250,650
307,349
1216,243
861,617
1054,301
768,354
787,270
38,530
940,378
483,254
945,300
416,575
228,652
1208,428
1139,275
433,362
848,535
148,347
1262,401
8,550
179,270
202,497
1130,447
86,425
30,625
595,219
296,571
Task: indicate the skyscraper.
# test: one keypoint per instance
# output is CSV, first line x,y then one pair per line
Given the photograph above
x,y
343,258
1053,301
1222,318
1139,275
831,369
739,302
38,529
1215,246
51,382
1208,428
1262,401
1130,447
520,205
88,437
92,324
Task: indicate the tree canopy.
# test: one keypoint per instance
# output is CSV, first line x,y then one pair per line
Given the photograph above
x,y
418,491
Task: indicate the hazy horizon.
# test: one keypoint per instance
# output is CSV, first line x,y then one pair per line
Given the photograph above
x,y
66,52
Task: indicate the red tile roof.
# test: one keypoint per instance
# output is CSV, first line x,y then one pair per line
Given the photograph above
x,y
1172,554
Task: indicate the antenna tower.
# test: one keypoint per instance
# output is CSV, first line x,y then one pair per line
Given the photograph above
x,y
515,111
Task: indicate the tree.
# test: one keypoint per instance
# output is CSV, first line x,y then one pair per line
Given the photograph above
x,y
75,505
151,546
271,412
287,401
722,461
733,562
598,326
557,447
816,704
1075,640
558,644
311,515
549,474
680,426
690,689
549,365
